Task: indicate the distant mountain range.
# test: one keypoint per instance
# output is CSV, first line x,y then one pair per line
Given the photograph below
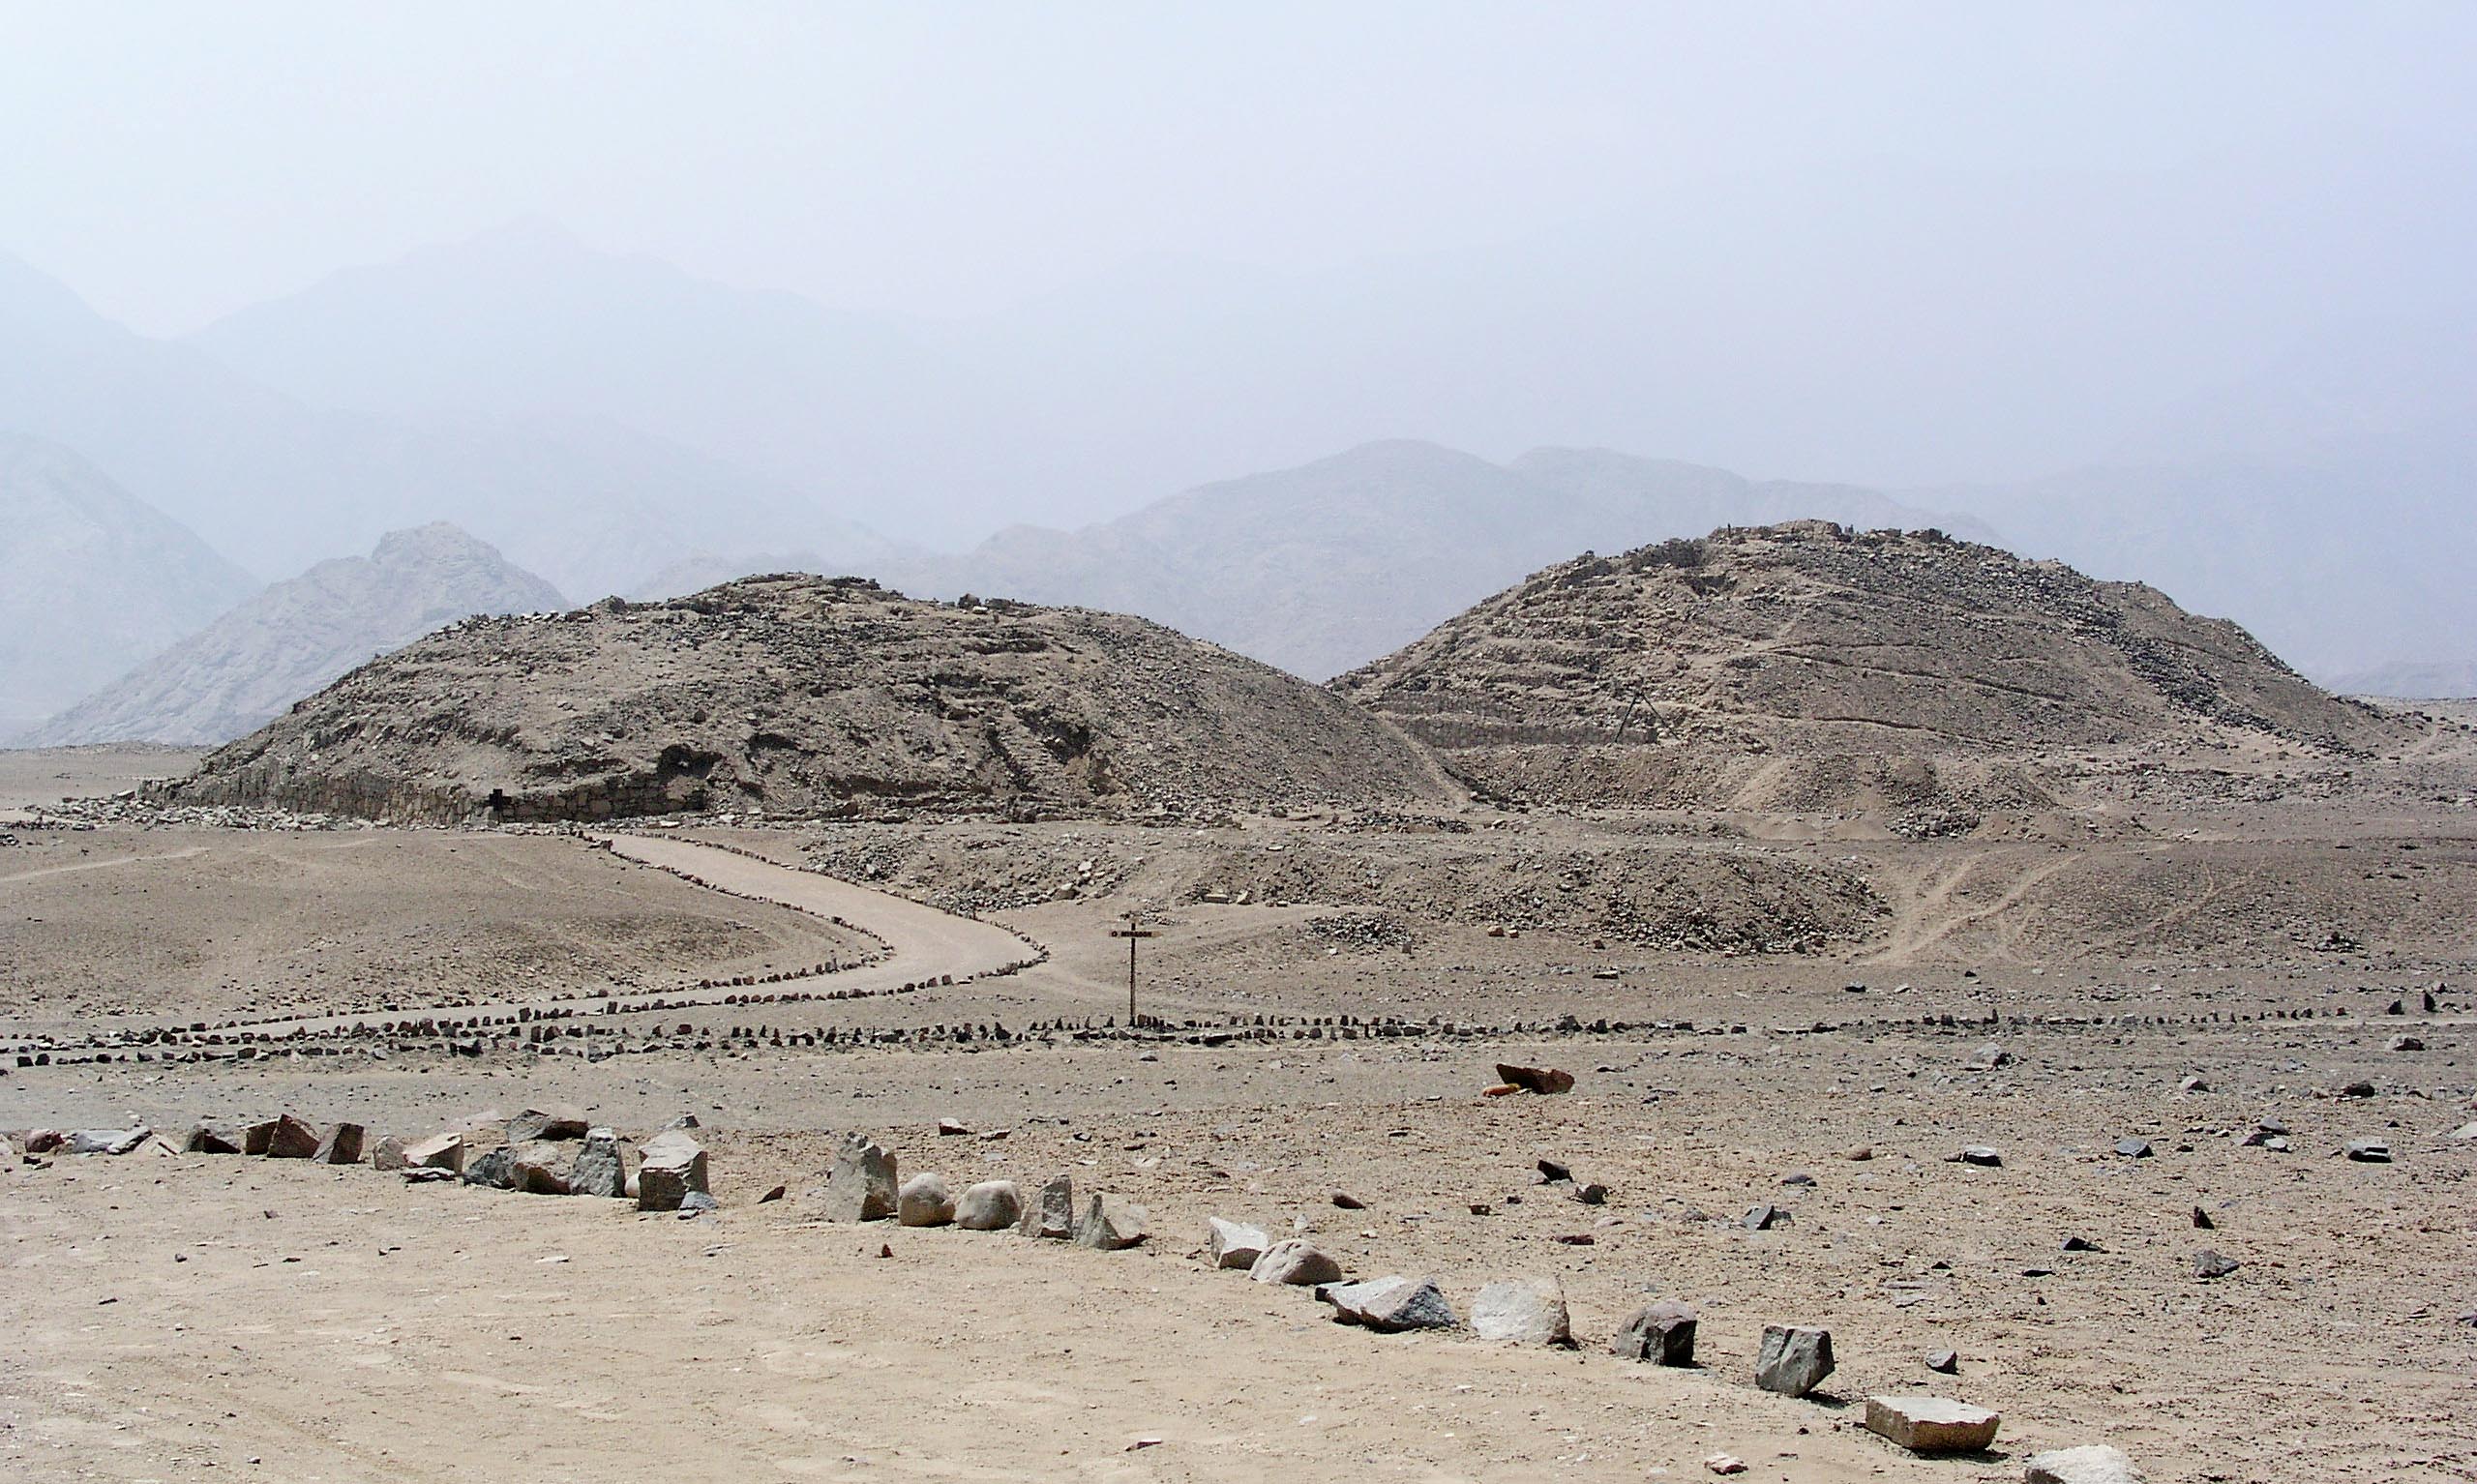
x,y
92,579
247,666
1328,566
278,482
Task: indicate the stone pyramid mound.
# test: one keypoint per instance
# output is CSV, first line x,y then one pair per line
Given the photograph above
x,y
794,696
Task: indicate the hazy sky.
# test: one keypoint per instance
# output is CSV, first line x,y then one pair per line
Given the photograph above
x,y
172,162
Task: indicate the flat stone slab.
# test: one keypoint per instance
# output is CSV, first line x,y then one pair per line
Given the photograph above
x,y
2090,1463
1932,1424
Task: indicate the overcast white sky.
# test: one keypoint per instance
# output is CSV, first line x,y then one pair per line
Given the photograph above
x,y
172,162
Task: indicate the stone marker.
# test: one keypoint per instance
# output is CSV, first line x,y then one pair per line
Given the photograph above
x,y
2090,1463
283,1137
1053,1214
1661,1332
443,1151
861,1184
1231,1244
388,1154
2369,1151
1794,1359
992,1205
2203,1221
1981,1155
1725,1463
540,1167
1946,1361
1390,1304
2208,1263
951,1128
1540,1080
600,1168
1524,1311
2134,1148
1763,1218
559,1120
1931,1424
495,1170
669,1167
341,1145
1297,1262
1988,1058
1111,1224
203,1140
923,1201
106,1141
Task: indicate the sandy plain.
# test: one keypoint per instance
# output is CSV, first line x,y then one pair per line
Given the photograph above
x,y
174,1316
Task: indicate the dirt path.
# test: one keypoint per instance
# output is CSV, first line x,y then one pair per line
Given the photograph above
x,y
921,943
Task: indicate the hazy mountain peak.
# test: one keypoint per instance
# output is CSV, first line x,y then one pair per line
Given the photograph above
x,y
295,637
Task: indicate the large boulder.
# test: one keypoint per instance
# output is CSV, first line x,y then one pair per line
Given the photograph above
x,y
1297,1262
1111,1224
1525,1311
669,1167
860,1186
1794,1359
600,1168
1053,1214
992,1205
1931,1424
1391,1303
388,1154
923,1201
1661,1332
1235,1244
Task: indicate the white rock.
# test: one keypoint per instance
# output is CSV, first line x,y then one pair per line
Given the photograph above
x,y
1298,1263
2091,1464
992,1205
1526,1311
923,1201
1232,1244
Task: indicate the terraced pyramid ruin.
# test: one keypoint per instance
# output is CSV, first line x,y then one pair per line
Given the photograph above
x,y
1805,666
794,696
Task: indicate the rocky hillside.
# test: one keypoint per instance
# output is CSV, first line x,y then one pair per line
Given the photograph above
x,y
92,579
1326,566
798,696
246,668
1805,666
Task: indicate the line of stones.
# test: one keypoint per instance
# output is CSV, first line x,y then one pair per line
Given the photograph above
x,y
467,1038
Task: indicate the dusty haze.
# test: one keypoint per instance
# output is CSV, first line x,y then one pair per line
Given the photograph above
x,y
2176,295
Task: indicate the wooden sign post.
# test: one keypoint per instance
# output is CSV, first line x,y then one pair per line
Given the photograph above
x,y
1131,933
